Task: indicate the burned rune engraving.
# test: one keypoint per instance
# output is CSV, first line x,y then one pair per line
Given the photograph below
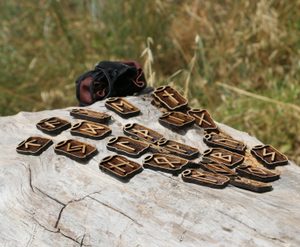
x,y
209,179
257,173
217,140
53,126
215,167
224,156
203,120
142,132
90,130
120,167
127,146
76,150
176,120
179,149
269,156
170,98
166,163
34,145
122,107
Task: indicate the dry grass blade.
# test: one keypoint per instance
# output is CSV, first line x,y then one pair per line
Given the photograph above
x,y
260,97
147,53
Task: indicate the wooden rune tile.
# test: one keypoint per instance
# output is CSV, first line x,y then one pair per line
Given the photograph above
x,y
76,150
209,179
179,149
224,157
90,130
217,140
127,146
166,163
257,173
215,167
252,185
203,120
170,98
34,145
89,115
122,107
120,167
53,125
176,120
269,156
141,132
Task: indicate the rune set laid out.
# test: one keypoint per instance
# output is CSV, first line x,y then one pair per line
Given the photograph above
x,y
227,161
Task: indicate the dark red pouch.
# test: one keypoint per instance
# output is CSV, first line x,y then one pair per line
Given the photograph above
x,y
110,79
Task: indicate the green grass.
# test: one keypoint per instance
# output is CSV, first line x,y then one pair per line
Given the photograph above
x,y
248,45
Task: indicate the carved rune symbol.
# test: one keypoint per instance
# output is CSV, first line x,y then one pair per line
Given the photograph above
x,y
218,140
165,161
205,178
219,169
32,143
220,156
141,132
52,123
257,171
92,128
125,145
265,153
269,156
176,148
223,156
71,148
229,142
145,133
200,175
176,119
53,126
170,96
76,150
119,165
201,119
120,106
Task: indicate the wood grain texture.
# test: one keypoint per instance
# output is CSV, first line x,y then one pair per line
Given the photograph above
x,y
51,200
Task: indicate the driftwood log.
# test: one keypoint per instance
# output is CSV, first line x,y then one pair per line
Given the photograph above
x,y
50,200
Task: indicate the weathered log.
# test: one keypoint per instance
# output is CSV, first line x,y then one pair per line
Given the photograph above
x,y
51,200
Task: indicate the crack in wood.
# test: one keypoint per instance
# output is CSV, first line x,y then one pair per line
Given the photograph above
x,y
59,215
32,236
30,178
29,175
117,210
68,203
249,227
58,231
51,197
82,240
